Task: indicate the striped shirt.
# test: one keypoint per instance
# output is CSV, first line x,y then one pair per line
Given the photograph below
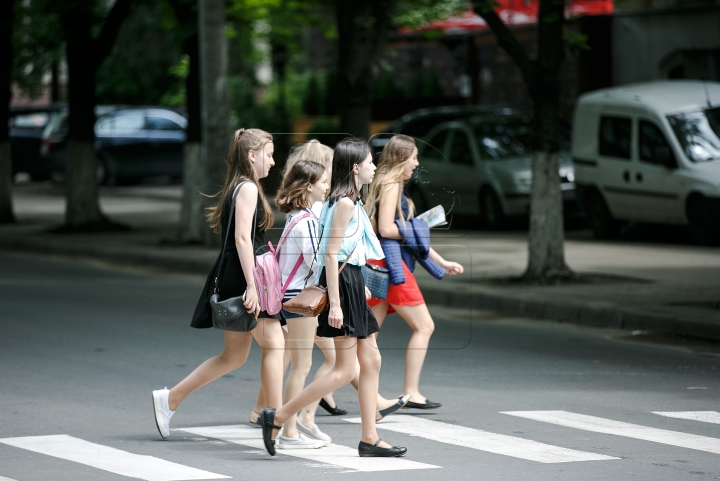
x,y
301,240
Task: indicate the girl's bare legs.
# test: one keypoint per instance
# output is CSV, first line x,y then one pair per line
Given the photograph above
x,y
306,417
422,325
269,335
234,354
369,357
341,374
299,343
260,402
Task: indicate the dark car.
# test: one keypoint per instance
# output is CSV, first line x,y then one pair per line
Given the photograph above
x,y
26,130
129,143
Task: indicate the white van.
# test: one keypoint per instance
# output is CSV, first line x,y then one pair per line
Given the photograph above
x,y
650,153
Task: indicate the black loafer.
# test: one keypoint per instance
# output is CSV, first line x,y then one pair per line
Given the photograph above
x,y
428,404
367,450
334,411
267,423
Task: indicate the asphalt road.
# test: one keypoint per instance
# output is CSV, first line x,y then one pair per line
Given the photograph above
x,y
82,345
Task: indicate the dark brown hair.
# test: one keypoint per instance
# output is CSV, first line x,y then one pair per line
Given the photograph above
x,y
348,152
293,191
239,169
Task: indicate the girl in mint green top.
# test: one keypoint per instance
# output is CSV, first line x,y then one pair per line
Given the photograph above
x,y
349,321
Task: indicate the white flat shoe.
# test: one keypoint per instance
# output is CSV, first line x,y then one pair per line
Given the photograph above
x,y
162,411
314,433
301,442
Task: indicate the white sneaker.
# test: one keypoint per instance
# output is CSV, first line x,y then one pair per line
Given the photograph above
x,y
300,442
314,433
162,411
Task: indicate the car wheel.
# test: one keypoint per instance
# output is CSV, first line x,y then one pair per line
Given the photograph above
x,y
702,217
57,177
491,212
601,221
103,174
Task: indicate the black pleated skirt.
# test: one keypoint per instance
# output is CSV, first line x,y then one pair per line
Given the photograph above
x,y
358,319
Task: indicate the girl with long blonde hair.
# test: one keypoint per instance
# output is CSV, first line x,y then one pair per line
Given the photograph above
x,y
250,159
389,210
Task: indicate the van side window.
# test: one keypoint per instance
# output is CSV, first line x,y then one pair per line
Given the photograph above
x,y
653,146
615,137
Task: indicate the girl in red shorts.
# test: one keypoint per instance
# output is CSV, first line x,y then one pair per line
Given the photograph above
x,y
391,213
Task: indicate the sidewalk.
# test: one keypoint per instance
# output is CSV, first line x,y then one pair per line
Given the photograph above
x,y
666,288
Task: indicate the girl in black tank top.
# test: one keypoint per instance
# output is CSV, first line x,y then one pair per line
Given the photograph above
x,y
249,159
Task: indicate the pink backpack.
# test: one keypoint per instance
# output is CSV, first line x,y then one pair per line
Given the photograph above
x,y
267,273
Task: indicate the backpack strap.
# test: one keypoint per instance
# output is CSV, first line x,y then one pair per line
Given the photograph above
x,y
289,228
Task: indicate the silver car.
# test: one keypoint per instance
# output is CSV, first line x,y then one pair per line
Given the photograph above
x,y
481,167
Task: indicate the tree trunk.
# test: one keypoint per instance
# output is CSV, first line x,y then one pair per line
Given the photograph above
x,y
7,17
362,28
83,208
193,225
214,97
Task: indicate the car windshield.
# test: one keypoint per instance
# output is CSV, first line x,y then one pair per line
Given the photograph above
x,y
504,140
698,134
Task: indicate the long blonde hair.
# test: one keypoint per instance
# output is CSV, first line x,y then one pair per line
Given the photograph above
x,y
239,169
389,171
311,150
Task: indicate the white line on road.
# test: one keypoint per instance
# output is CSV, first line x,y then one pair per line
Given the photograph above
x,y
109,459
484,440
2,478
619,428
703,416
335,454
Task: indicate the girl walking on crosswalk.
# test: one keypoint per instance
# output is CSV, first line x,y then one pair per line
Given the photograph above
x,y
250,159
346,235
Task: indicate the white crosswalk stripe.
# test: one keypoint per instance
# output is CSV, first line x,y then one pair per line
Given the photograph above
x,y
2,478
619,428
484,440
702,416
334,454
109,459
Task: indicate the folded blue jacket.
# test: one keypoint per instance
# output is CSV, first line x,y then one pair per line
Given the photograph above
x,y
415,246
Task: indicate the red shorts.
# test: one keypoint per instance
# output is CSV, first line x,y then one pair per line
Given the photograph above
x,y
407,294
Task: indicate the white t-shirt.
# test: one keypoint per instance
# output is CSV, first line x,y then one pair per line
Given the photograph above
x,y
301,240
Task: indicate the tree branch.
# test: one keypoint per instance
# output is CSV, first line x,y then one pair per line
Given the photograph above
x,y
506,39
106,40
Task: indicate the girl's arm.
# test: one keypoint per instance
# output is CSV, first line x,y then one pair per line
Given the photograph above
x,y
387,207
245,205
341,218
451,267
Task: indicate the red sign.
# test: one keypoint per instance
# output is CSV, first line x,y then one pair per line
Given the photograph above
x,y
513,13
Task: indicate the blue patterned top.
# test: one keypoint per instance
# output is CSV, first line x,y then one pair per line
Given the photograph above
x,y
359,232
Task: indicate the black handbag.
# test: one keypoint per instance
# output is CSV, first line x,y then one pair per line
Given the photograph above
x,y
377,279
230,314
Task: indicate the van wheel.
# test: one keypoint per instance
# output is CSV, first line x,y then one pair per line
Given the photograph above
x,y
702,215
601,221
491,212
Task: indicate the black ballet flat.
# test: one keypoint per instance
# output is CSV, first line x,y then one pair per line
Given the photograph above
x,y
334,411
401,403
367,450
428,404
267,423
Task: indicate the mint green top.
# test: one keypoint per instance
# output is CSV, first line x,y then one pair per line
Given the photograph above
x,y
358,232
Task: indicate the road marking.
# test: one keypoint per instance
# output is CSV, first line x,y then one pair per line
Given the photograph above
x,y
2,478
484,440
619,428
109,459
335,454
703,416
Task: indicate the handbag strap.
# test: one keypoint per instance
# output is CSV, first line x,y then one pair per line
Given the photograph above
x,y
227,234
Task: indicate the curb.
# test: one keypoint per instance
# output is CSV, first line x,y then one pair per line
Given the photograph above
x,y
513,305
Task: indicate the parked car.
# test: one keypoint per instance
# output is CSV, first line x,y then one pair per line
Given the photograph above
x,y
26,129
419,122
650,153
482,166
130,143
